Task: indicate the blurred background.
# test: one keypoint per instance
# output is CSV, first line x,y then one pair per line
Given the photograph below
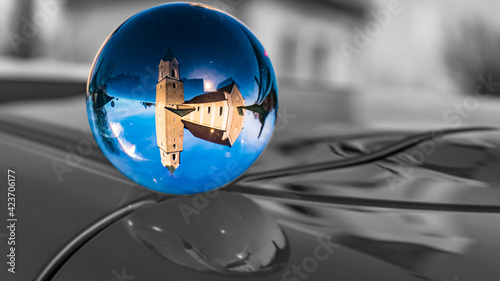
x,y
351,63
344,67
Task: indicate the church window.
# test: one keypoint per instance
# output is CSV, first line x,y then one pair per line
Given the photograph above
x,y
175,146
175,85
173,157
162,73
198,108
209,109
221,111
173,73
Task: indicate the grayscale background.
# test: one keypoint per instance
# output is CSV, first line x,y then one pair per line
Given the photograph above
x,y
362,86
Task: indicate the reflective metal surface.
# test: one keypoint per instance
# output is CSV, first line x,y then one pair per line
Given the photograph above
x,y
372,194
59,212
225,233
453,168
436,223
356,242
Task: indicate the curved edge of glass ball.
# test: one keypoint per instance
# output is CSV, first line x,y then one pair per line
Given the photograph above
x,y
122,75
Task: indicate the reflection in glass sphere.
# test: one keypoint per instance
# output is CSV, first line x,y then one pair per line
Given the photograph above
x,y
182,98
227,234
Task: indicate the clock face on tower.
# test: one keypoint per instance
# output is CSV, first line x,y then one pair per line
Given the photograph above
x,y
182,98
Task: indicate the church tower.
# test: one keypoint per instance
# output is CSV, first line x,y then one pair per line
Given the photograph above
x,y
169,126
169,86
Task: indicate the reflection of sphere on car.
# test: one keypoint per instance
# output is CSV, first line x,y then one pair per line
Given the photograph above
x,y
198,94
227,234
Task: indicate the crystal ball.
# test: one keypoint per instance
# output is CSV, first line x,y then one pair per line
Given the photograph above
x,y
182,98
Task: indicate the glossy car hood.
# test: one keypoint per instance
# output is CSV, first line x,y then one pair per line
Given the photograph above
x,y
373,210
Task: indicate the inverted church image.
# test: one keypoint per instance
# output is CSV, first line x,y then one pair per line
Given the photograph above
x,y
216,116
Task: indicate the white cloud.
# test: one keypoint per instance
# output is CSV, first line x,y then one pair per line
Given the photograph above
x,y
129,148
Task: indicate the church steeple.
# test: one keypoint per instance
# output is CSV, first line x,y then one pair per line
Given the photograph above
x,y
169,66
169,126
169,56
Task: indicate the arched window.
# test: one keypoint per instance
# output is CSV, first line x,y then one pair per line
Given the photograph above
x,y
173,73
209,109
175,119
175,146
173,156
198,108
221,111
162,73
175,85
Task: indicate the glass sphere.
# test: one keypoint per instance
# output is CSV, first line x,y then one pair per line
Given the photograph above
x,y
182,98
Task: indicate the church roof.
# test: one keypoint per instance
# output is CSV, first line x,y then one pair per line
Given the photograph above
x,y
206,133
181,111
171,169
169,56
214,96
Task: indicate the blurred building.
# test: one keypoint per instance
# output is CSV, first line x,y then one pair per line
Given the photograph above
x,y
301,37
378,63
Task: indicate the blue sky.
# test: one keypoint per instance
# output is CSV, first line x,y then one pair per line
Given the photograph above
x,y
133,127
212,47
207,45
